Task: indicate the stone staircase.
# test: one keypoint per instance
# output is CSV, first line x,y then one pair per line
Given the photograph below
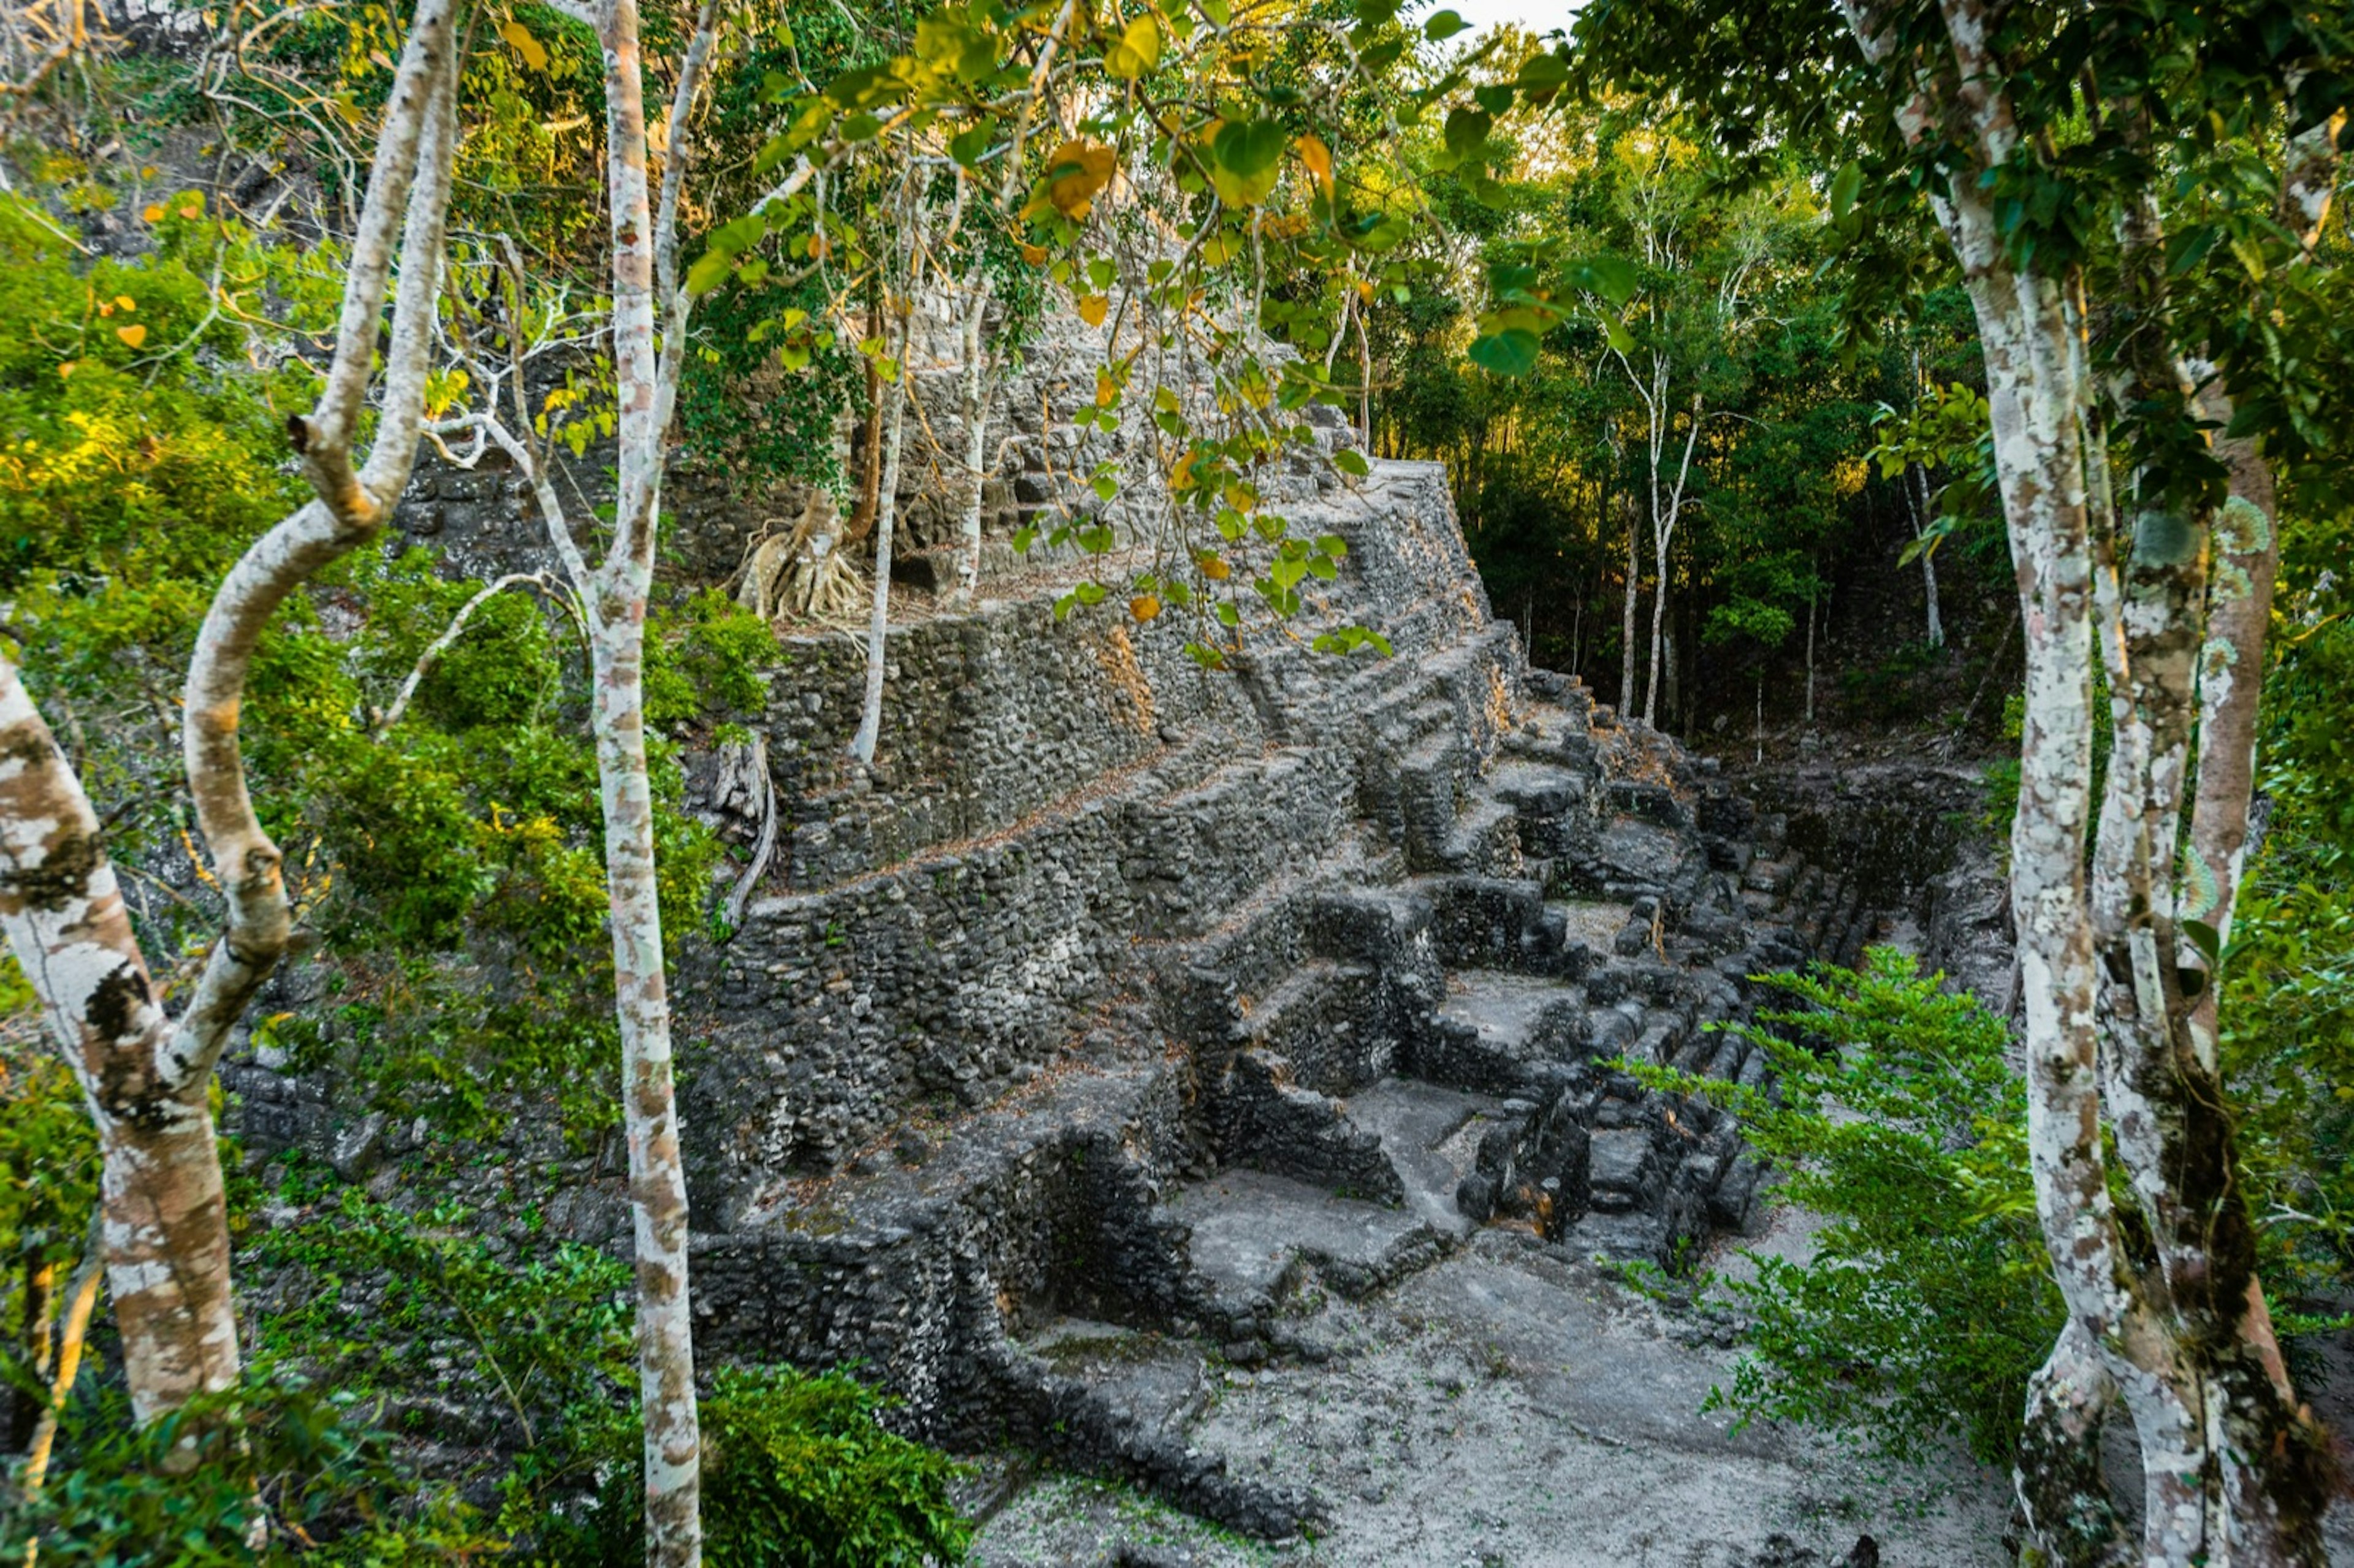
x,y
1440,1052
1342,955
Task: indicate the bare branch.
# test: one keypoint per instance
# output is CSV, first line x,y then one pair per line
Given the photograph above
x,y
391,717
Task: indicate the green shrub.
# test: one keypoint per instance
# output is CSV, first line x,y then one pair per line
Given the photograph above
x,y
420,1314
1927,1303
796,1473
273,1471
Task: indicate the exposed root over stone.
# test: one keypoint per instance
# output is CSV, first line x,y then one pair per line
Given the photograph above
x,y
802,573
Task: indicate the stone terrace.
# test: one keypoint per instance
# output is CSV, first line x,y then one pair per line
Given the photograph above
x,y
1120,994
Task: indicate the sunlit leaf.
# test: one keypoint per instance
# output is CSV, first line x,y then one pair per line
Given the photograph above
x,y
515,33
1076,171
1137,51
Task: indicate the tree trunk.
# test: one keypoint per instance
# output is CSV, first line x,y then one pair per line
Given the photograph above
x,y
166,1236
870,467
870,717
1663,537
165,1232
32,1344
657,1176
1811,659
1627,618
73,1333
2168,1302
976,433
1918,509
646,259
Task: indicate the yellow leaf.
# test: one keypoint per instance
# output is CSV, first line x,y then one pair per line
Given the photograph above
x,y
1319,159
1033,254
1093,308
125,303
1213,567
1144,607
154,213
1106,389
135,335
67,367
1137,51
1079,168
194,210
515,33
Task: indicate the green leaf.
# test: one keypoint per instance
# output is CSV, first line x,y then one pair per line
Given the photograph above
x,y
1137,51
2206,939
1352,461
968,147
1441,25
710,270
1245,157
1543,76
1619,337
1845,185
1245,148
1512,352
1612,277
1467,129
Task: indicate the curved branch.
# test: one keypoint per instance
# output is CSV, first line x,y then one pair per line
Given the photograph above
x,y
347,511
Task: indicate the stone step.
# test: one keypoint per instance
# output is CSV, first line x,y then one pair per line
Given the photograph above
x,y
1431,1134
1253,1238
1261,1117
1158,1382
1484,837
1494,1031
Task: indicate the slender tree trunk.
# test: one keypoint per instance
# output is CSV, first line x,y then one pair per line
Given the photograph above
x,y
645,265
870,476
1811,659
642,1004
1663,535
73,1333
1917,508
976,433
870,718
1656,676
33,1340
1628,614
1364,381
1915,480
